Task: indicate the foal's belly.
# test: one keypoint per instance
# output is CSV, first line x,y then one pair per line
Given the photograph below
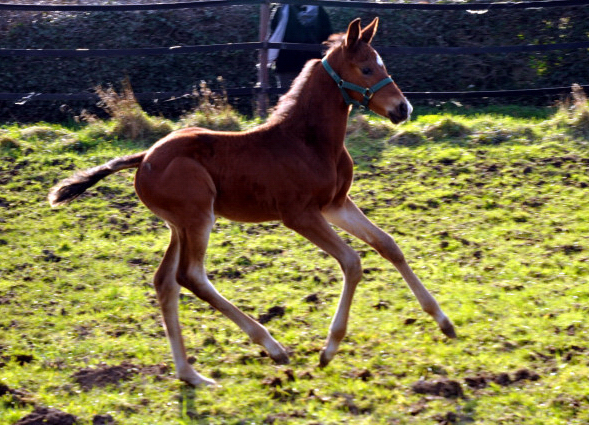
x,y
245,206
252,201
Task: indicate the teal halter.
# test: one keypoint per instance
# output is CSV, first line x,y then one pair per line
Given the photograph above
x,y
367,92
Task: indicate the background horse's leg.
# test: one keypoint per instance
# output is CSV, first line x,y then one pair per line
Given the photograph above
x,y
168,291
317,230
352,220
191,275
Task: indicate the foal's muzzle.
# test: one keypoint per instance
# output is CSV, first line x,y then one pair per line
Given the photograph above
x,y
401,112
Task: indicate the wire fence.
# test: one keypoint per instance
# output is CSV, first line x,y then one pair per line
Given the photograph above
x,y
326,3
263,45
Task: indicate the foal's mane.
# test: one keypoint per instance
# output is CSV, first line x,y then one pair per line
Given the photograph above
x,y
288,101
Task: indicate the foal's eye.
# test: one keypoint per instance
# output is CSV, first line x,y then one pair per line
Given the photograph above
x,y
366,71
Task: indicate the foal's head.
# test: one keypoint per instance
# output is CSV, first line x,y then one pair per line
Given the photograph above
x,y
356,63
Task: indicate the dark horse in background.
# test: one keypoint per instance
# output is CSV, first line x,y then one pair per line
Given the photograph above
x,y
294,168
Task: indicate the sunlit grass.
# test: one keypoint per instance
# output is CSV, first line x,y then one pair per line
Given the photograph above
x,y
490,210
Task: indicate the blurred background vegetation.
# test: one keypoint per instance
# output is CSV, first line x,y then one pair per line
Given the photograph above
x,y
232,24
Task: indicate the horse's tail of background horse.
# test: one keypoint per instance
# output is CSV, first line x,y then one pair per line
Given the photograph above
x,y
72,187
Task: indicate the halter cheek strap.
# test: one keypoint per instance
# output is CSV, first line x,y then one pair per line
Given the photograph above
x,y
366,92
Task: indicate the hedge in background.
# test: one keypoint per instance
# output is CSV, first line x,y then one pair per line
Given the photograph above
x,y
240,24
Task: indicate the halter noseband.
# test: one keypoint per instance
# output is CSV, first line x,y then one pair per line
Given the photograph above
x,y
367,92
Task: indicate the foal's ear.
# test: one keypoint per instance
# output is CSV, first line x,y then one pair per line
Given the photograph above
x,y
353,34
369,31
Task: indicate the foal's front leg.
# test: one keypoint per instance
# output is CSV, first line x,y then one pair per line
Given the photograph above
x,y
316,229
352,220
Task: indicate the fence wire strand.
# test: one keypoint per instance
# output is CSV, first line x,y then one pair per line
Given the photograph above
x,y
22,98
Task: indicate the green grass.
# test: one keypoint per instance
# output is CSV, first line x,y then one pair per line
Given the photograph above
x,y
491,211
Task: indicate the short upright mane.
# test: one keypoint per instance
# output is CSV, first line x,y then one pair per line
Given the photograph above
x,y
289,99
334,40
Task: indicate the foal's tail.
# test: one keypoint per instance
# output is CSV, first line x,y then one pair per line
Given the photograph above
x,y
72,187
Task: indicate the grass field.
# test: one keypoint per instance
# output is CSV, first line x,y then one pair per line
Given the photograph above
x,y
491,210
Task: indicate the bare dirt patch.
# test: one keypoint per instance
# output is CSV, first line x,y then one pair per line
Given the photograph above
x,y
483,379
273,312
452,418
15,396
47,416
104,375
103,420
453,389
443,387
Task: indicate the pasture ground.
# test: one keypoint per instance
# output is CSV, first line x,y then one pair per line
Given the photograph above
x,y
492,212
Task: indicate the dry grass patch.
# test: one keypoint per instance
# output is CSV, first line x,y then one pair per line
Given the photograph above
x,y
573,115
213,112
129,120
447,128
8,143
42,132
361,125
407,138
579,119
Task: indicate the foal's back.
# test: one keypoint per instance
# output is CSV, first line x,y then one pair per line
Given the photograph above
x,y
250,176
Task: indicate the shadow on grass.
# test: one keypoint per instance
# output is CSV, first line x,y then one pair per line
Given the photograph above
x,y
186,403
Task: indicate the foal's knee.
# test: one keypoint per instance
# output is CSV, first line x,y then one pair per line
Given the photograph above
x,y
389,249
193,281
166,288
352,267
338,331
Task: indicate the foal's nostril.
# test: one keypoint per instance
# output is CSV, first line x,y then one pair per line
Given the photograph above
x,y
403,110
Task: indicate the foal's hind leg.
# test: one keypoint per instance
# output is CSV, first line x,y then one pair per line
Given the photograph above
x,y
351,219
168,291
182,193
191,275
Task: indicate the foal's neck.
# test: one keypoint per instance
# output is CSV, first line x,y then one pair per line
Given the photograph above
x,y
314,108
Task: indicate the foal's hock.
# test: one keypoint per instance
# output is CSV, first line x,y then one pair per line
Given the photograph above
x,y
294,168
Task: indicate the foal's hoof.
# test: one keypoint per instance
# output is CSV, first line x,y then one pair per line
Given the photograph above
x,y
200,381
448,328
323,359
281,358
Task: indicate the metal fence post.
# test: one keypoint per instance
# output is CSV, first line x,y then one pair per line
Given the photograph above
x,y
263,56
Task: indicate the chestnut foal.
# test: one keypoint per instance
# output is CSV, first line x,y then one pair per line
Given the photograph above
x,y
294,168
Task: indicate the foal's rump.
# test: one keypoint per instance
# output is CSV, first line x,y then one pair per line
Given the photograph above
x,y
180,190
70,188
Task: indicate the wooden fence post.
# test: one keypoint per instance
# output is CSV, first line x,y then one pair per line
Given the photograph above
x,y
263,56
